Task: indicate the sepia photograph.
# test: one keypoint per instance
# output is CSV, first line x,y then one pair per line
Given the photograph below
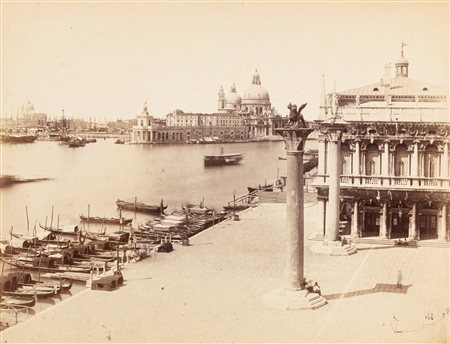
x,y
224,171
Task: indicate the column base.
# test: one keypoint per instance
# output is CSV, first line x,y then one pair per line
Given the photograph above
x,y
334,248
291,300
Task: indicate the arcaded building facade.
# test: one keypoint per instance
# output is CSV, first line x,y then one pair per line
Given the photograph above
x,y
180,127
394,158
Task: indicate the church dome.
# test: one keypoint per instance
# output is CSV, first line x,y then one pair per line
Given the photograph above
x,y
29,108
233,98
255,92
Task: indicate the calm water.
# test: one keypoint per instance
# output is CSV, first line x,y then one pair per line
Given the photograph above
x,y
100,173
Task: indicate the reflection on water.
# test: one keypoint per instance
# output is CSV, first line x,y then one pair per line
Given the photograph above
x,y
100,173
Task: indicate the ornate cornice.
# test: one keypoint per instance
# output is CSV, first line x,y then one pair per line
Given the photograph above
x,y
398,129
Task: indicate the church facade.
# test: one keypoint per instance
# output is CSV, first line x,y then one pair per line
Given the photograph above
x,y
250,117
394,158
254,107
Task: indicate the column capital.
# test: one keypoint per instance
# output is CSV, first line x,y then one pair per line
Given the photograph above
x,y
333,129
294,138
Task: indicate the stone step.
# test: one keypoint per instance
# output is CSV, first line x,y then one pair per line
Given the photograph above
x,y
345,250
388,242
441,244
316,301
322,303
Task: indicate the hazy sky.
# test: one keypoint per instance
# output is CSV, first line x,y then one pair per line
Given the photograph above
x,y
105,59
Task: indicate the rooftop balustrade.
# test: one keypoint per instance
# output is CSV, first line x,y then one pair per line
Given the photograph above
x,y
393,182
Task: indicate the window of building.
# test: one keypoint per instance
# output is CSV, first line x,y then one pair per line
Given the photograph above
x,y
431,161
401,161
346,167
372,160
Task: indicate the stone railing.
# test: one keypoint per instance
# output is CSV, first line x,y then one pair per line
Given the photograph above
x,y
388,181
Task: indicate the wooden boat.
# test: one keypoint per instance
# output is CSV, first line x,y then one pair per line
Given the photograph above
x,y
9,286
25,279
164,228
141,207
260,187
72,276
46,264
29,292
116,237
119,142
106,220
76,142
72,230
22,302
8,180
236,207
18,138
196,209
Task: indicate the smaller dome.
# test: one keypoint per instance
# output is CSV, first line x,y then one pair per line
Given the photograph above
x,y
233,98
30,107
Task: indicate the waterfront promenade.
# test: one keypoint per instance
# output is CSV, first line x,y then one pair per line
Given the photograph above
x,y
212,292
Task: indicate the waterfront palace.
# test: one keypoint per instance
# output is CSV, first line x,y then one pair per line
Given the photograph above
x,y
394,180
249,117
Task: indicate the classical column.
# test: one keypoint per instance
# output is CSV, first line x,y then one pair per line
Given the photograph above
x,y
443,223
415,164
294,139
321,163
321,215
383,221
385,163
334,132
412,230
357,162
444,165
355,218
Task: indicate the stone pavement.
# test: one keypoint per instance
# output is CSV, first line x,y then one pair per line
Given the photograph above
x,y
212,292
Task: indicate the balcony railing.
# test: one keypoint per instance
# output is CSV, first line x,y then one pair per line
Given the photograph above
x,y
388,181
393,113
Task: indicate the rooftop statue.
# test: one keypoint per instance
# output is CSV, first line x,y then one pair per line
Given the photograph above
x,y
296,115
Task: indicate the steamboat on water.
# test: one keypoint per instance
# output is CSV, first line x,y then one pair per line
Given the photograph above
x,y
223,159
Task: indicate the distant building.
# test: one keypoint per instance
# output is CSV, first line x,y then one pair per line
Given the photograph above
x,y
29,118
249,117
394,158
254,107
180,127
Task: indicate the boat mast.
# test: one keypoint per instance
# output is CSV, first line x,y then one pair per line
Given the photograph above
x,y
28,222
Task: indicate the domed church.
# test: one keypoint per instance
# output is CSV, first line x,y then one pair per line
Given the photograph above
x,y
254,106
